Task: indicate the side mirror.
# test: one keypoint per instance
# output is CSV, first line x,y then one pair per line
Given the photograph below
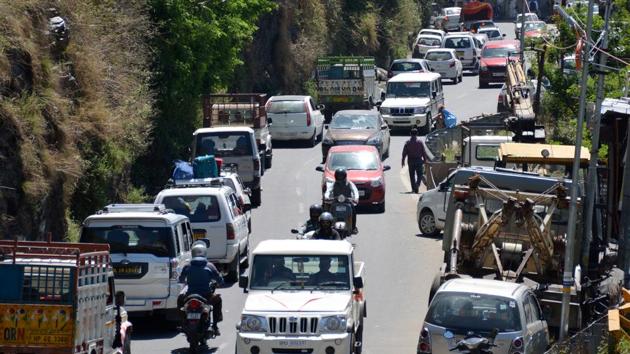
x,y
434,94
243,280
504,34
319,168
247,191
321,107
387,168
295,231
357,282
384,127
443,187
382,96
378,104
431,69
119,298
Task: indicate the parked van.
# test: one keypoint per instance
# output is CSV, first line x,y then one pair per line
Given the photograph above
x,y
295,118
432,204
412,100
215,214
149,248
466,48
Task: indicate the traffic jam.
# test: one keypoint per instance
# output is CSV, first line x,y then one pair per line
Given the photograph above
x,y
494,196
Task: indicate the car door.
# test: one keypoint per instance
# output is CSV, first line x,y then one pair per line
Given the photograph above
x,y
539,327
385,134
532,325
318,117
240,221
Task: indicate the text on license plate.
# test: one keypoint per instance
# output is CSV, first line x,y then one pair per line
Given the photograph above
x,y
193,316
460,54
361,193
292,343
340,208
498,74
127,270
198,235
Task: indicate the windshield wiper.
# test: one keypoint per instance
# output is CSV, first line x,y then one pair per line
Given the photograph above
x,y
280,285
329,283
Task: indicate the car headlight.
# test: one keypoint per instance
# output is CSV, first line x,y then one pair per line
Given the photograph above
x,y
483,67
419,110
376,182
385,110
251,323
333,324
375,140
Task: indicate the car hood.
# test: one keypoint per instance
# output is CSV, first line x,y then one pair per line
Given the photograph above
x,y
351,134
300,301
405,102
493,61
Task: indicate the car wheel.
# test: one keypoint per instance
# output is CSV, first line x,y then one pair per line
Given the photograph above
x,y
461,76
425,129
268,158
313,140
426,224
245,255
483,84
358,340
256,197
233,270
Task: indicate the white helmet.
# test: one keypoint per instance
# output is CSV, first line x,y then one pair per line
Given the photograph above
x,y
199,249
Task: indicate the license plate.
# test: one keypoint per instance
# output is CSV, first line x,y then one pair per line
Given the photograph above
x,y
340,208
292,343
461,54
498,74
198,235
341,99
193,316
127,270
361,193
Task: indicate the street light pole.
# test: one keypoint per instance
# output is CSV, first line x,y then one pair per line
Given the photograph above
x,y
567,276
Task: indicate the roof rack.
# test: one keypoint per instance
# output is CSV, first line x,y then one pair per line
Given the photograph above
x,y
139,208
215,182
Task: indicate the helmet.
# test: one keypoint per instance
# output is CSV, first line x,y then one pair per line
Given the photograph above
x,y
326,220
316,210
199,249
340,174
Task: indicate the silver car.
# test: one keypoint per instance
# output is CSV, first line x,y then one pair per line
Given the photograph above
x,y
461,306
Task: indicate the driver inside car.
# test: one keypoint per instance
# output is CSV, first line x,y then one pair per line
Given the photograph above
x,y
324,274
342,186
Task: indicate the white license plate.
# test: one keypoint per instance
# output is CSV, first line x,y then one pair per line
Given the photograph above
x,y
193,316
292,343
361,193
340,208
498,74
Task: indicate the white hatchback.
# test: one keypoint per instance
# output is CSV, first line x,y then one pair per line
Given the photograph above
x,y
467,50
444,62
295,118
425,42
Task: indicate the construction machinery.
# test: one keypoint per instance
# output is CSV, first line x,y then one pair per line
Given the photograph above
x,y
520,93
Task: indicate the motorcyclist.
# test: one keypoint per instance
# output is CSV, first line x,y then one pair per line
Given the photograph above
x,y
325,230
342,186
198,277
312,223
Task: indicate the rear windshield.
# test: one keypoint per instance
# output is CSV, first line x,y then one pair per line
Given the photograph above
x,y
474,312
434,42
224,144
353,161
406,66
491,34
197,208
355,121
157,241
457,42
502,52
281,107
437,56
452,11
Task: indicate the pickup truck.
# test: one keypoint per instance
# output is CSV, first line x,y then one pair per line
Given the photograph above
x,y
61,300
304,296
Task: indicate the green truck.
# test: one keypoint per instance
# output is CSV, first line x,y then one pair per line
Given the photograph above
x,y
346,83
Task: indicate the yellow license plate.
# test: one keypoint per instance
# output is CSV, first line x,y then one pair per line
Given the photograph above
x,y
127,270
460,53
341,99
198,235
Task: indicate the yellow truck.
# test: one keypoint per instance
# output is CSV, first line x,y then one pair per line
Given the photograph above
x,y
59,298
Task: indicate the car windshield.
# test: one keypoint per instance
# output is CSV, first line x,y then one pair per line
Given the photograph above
x,y
528,17
360,160
534,26
354,121
406,66
491,33
408,89
197,208
457,42
300,272
474,312
437,56
281,107
157,241
429,42
501,52
222,144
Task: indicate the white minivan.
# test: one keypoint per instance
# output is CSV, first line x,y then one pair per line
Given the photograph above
x,y
412,100
467,49
295,118
149,248
217,215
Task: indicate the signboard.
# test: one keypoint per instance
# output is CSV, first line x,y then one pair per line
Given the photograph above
x,y
49,326
340,87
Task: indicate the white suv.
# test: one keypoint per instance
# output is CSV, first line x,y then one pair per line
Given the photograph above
x,y
466,49
149,247
216,215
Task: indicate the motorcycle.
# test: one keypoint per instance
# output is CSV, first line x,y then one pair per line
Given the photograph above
x,y
341,209
475,344
196,322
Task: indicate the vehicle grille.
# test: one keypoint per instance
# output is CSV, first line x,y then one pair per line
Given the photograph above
x,y
497,69
401,111
350,142
293,325
367,191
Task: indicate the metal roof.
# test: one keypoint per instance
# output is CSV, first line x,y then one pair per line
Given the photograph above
x,y
415,77
303,247
484,287
621,105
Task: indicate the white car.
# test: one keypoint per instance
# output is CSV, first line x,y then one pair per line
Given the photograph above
x,y
450,18
295,118
215,215
467,50
493,33
530,16
425,42
432,31
444,62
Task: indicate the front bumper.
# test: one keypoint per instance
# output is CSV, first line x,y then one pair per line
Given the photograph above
x,y
492,76
470,63
341,343
372,195
407,121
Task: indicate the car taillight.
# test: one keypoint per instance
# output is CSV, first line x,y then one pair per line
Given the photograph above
x,y
229,230
174,263
424,343
517,345
308,115
194,305
500,98
256,165
452,64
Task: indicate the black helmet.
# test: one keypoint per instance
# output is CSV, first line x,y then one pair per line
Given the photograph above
x,y
326,220
316,210
340,174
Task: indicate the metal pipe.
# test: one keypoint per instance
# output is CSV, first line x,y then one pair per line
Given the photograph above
x,y
567,277
591,185
457,233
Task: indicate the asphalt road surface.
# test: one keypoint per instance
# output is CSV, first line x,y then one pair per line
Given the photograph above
x,y
400,263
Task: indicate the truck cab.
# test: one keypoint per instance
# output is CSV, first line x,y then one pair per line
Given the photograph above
x,y
305,296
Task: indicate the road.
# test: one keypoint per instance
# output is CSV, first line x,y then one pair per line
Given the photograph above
x,y
400,262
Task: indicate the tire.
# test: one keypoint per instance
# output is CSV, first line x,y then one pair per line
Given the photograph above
x,y
249,226
461,76
425,129
426,224
127,344
245,254
358,338
483,84
380,208
313,140
256,197
268,159
455,80
435,285
233,271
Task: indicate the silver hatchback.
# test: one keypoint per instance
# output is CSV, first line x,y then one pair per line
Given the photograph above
x,y
461,306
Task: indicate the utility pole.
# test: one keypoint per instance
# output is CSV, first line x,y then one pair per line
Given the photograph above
x,y
567,276
522,34
591,184
541,74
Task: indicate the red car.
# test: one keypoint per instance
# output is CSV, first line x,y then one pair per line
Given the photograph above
x,y
494,56
364,168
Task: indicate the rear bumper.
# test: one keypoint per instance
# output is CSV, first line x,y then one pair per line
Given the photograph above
x,y
154,304
232,251
448,74
296,133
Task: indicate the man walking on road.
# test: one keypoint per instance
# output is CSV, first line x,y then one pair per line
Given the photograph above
x,y
415,155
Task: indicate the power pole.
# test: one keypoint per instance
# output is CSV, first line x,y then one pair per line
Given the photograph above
x,y
541,74
522,34
591,184
567,276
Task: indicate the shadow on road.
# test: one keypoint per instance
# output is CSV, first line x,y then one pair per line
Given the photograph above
x,y
204,350
152,327
491,86
295,144
437,237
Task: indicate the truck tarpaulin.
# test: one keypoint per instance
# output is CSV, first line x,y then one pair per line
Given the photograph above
x,y
477,11
50,326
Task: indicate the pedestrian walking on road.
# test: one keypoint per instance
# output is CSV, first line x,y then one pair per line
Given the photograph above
x,y
415,155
